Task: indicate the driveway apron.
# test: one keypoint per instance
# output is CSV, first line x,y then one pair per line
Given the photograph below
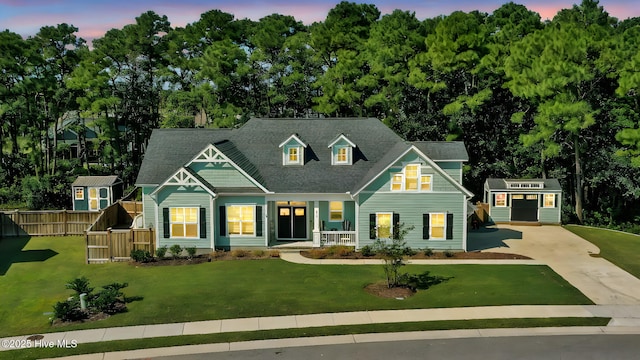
x,y
570,256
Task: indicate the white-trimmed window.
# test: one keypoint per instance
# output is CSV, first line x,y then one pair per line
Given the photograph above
x,y
294,155
437,226
241,220
549,200
336,211
78,193
342,155
396,181
384,228
425,182
184,222
411,179
501,200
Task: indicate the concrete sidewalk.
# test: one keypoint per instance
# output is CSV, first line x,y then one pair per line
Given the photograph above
x,y
295,257
625,320
622,316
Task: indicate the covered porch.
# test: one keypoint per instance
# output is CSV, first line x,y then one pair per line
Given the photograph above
x,y
317,222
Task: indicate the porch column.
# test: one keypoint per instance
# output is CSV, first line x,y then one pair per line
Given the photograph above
x,y
316,224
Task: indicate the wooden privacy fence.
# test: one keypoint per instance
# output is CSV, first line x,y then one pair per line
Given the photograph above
x,y
45,222
116,244
110,238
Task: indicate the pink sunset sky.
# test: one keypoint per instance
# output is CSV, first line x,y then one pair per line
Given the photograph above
x,y
95,17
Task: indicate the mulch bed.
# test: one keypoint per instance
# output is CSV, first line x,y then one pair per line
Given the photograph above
x,y
380,289
172,262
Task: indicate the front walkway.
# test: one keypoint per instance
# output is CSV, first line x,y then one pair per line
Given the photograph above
x,y
570,256
295,257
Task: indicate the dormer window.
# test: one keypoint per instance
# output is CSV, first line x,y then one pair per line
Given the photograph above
x,y
294,155
341,150
293,150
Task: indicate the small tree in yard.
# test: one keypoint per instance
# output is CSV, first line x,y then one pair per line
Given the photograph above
x,y
392,252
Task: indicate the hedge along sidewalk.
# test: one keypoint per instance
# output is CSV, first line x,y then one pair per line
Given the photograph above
x,y
316,320
297,258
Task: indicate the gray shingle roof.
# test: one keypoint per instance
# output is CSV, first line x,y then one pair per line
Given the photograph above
x,y
254,147
94,181
500,184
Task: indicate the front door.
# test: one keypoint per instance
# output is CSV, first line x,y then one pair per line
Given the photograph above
x,y
292,222
524,207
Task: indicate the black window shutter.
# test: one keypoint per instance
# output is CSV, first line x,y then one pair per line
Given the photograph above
x,y
223,220
372,226
396,225
425,226
203,223
449,226
555,202
165,222
258,220
541,201
493,198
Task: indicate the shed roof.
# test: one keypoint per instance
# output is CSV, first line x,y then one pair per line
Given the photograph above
x,y
93,181
501,184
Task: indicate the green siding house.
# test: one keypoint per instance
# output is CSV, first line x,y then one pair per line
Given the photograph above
x,y
343,181
523,200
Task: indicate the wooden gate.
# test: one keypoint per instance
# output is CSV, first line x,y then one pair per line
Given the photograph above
x,y
116,244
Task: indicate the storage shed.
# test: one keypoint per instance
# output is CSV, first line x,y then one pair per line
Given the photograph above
x,y
95,193
523,200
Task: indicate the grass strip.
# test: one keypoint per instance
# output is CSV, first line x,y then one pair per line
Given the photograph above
x,y
133,344
620,248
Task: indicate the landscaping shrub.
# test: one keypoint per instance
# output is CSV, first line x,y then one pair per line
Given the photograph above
x,y
338,250
317,253
428,252
367,251
79,285
240,253
218,254
141,256
259,253
176,250
161,252
449,253
109,300
191,251
69,310
408,251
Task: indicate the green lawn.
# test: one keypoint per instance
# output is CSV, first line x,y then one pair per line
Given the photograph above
x,y
33,273
622,249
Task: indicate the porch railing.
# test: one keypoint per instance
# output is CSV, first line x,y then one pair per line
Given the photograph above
x,y
329,238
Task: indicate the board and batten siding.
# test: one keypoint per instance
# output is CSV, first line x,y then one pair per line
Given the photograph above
x,y
178,196
411,207
226,241
221,174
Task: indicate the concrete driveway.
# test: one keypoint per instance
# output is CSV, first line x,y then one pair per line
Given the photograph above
x,y
568,255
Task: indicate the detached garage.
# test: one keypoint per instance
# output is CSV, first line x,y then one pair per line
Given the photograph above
x,y
523,200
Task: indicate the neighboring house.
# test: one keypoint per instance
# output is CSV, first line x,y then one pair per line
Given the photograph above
x,y
95,193
330,181
78,133
528,200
